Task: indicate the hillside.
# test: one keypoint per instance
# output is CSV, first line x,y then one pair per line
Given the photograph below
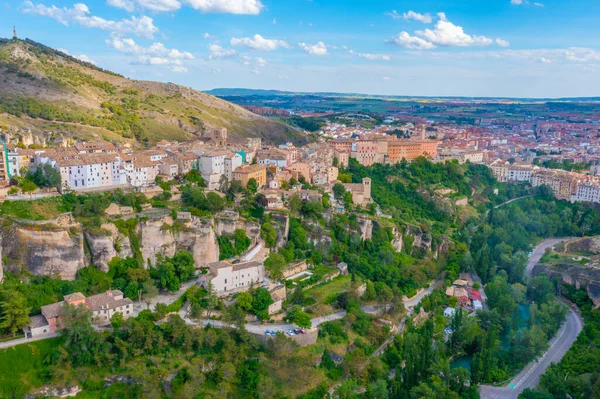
x,y
48,97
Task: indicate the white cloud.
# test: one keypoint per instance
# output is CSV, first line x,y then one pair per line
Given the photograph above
x,y
394,14
545,60
80,14
447,34
216,51
259,43
375,57
81,57
319,49
274,21
538,4
386,78
156,54
411,42
425,18
252,7
284,77
152,5
502,42
518,2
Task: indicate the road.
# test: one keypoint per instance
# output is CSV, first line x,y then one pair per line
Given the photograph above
x,y
529,377
371,309
540,250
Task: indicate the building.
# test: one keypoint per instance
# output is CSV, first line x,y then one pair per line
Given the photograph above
x,y
212,167
274,156
233,160
460,293
256,172
361,193
186,161
410,150
300,169
103,307
140,170
229,277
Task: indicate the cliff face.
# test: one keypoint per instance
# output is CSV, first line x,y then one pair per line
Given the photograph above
x,y
43,250
104,247
163,236
581,276
56,248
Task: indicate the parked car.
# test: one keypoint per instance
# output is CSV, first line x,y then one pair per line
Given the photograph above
x,y
296,331
267,332
290,332
302,331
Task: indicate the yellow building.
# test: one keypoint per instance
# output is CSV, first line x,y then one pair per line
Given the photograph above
x,y
256,172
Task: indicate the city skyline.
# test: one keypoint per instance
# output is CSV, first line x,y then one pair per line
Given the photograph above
x,y
502,48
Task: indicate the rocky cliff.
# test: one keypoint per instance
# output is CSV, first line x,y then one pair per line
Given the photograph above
x,y
106,244
164,236
49,249
581,276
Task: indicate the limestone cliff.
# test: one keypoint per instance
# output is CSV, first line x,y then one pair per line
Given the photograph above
x,y
581,276
42,249
106,244
164,236
227,222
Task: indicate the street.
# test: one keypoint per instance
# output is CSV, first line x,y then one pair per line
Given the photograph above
x,y
529,377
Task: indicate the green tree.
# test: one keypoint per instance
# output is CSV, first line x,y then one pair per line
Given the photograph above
x,y
244,300
261,300
295,203
300,317
275,264
338,191
117,320
269,234
348,200
252,186
15,312
28,186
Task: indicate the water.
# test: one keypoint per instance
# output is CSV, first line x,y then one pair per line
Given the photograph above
x,y
523,314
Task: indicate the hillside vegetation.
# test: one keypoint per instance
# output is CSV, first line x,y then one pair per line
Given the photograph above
x,y
55,96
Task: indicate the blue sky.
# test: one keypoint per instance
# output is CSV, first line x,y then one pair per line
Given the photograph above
x,y
518,48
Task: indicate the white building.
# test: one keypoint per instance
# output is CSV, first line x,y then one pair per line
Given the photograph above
x,y
232,162
86,170
589,191
212,167
140,170
228,277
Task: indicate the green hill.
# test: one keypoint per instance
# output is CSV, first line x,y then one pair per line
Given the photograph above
x,y
48,96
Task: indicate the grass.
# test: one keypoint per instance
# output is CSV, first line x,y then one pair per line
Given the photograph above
x,y
41,209
23,367
322,292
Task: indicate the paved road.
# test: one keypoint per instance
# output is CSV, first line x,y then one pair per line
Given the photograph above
x,y
15,342
371,309
529,377
540,250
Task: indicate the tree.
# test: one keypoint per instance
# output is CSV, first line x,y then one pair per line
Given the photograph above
x,y
384,295
244,300
295,203
298,316
348,200
167,277
149,292
275,264
116,321
28,186
184,265
80,339
261,300
15,313
252,186
338,191
269,234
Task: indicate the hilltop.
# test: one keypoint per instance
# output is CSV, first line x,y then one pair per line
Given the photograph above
x,y
48,97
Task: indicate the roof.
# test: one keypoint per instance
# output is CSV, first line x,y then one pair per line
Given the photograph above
x,y
250,168
38,321
457,292
77,296
107,300
53,310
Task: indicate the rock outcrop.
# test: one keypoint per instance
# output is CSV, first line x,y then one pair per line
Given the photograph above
x,y
397,242
581,276
281,223
421,239
366,227
163,236
106,244
43,249
227,222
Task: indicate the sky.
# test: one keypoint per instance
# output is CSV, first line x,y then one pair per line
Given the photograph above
x,y
490,48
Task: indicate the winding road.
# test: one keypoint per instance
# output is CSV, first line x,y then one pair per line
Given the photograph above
x,y
529,377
